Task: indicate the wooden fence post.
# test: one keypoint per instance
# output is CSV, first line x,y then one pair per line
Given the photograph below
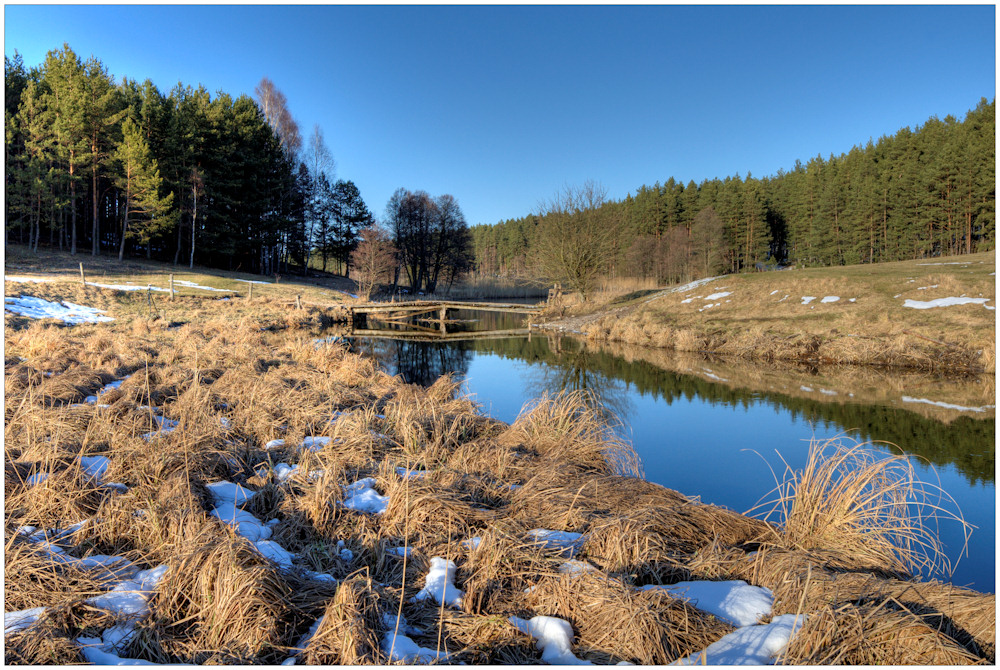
x,y
171,287
250,292
83,280
298,302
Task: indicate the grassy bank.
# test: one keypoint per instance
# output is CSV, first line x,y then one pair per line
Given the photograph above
x,y
129,444
854,314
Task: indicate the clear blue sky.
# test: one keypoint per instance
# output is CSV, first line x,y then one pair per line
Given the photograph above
x,y
502,106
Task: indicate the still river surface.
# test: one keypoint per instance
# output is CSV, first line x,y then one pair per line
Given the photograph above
x,y
716,429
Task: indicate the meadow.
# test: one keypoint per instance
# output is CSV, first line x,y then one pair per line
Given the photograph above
x,y
207,481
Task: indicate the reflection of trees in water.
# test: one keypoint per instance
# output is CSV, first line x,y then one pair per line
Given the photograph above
x,y
573,371
417,362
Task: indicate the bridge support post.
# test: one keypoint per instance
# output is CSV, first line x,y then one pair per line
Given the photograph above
x,y
443,315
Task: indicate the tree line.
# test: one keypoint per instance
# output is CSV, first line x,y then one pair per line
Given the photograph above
x,y
922,192
99,166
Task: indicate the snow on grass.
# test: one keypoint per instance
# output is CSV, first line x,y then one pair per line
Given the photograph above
x,y
129,287
131,597
91,649
94,466
943,302
402,552
806,299
750,645
229,493
830,298
163,426
439,584
37,478
314,443
733,601
253,281
411,474
924,288
274,552
245,523
716,296
690,286
362,496
28,280
946,405
563,541
15,621
554,638
274,444
807,389
401,648
574,567
952,263
472,543
67,312
191,284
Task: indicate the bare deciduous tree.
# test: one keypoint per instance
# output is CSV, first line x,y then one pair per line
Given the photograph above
x,y
373,261
574,244
275,108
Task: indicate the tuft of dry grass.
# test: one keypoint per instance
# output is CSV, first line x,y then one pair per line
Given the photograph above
x,y
867,508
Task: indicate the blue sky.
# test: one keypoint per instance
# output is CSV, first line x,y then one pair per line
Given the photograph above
x,y
503,106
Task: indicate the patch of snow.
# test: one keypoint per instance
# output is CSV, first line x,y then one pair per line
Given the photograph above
x,y
721,294
439,584
400,551
362,496
28,280
554,638
15,621
472,543
806,389
245,523
94,466
773,292
411,474
924,288
253,281
131,597
346,554
392,623
733,601
690,286
830,298
274,444
852,300
784,299
827,392
90,647
282,472
399,647
750,645
191,284
314,443
37,478
947,405
574,567
952,263
560,540
687,300
229,493
163,426
274,552
943,302
67,312
129,287
806,299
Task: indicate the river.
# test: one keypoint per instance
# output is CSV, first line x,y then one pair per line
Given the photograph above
x,y
723,430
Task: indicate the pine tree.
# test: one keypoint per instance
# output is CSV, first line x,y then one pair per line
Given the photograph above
x,y
146,211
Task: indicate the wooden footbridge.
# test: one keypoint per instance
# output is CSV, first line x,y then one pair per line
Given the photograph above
x,y
399,312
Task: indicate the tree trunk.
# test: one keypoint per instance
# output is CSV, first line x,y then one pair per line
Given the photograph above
x,y
194,221
72,204
97,224
121,249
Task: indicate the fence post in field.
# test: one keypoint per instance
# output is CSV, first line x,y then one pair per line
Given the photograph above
x,y
171,287
298,302
250,292
83,280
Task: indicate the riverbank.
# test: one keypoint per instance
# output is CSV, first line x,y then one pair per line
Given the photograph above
x,y
234,490
926,314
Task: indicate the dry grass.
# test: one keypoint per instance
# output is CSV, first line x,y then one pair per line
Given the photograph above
x,y
763,317
233,387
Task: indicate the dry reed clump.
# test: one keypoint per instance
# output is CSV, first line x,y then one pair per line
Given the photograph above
x,y
617,623
864,508
349,633
231,599
874,633
567,428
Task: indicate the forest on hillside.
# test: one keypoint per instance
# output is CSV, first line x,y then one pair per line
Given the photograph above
x,y
103,167
922,192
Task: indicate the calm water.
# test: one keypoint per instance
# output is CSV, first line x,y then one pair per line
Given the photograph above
x,y
709,440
